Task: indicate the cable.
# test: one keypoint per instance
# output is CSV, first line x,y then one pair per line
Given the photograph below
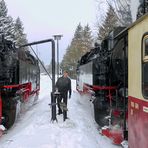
x,y
41,63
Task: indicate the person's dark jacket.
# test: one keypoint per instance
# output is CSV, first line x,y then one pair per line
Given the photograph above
x,y
64,85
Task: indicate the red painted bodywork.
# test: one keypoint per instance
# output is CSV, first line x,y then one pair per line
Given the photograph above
x,y
24,90
96,87
137,123
88,88
116,135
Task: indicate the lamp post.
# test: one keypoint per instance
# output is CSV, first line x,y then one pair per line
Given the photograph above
x,y
57,38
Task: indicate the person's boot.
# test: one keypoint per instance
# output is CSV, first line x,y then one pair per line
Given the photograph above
x,y
59,112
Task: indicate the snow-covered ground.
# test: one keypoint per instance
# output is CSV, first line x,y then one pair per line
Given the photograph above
x,y
34,128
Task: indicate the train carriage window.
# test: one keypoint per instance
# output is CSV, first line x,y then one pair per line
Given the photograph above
x,y
145,80
145,67
146,47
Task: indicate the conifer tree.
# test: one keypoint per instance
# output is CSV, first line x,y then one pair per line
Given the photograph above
x,y
81,43
78,38
8,29
87,38
110,22
65,64
3,9
6,22
122,13
73,52
20,36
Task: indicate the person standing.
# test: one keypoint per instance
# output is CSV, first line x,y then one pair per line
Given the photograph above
x,y
63,85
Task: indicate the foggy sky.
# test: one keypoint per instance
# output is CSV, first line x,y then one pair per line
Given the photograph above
x,y
43,19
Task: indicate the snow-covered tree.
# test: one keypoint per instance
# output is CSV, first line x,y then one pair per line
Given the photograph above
x,y
19,35
8,28
11,30
3,9
6,22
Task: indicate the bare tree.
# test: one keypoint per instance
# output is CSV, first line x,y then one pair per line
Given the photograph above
x,y
122,8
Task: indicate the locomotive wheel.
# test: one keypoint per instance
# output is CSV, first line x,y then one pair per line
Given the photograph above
x,y
9,114
9,118
100,115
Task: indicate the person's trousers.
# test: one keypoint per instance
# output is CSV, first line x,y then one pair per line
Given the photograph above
x,y
62,98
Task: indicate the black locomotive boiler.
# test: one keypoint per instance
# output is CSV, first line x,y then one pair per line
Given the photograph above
x,y
102,72
19,81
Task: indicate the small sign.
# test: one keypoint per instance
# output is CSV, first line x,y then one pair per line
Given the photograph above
x,y
145,109
132,104
136,106
132,112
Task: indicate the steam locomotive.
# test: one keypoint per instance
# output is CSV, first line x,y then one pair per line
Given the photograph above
x,y
19,81
115,73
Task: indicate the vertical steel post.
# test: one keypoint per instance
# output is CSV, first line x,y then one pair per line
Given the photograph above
x,y
57,59
57,38
53,98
